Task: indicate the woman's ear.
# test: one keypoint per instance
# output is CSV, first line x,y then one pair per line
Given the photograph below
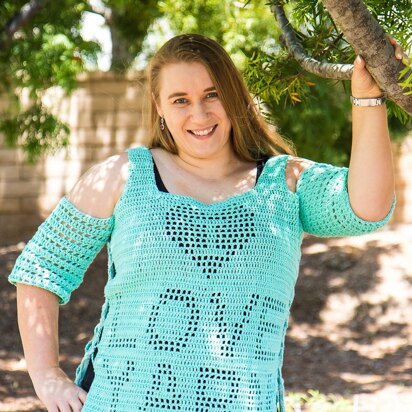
x,y
159,111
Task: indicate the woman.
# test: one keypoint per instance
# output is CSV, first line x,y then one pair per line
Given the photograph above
x,y
204,229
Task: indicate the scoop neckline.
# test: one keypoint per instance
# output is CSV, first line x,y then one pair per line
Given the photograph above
x,y
190,199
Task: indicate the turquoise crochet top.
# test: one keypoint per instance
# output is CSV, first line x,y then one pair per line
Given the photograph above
x,y
198,295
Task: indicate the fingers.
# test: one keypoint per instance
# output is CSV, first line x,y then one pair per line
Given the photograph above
x,y
359,62
71,401
73,405
76,405
57,392
392,40
64,407
363,84
399,53
82,395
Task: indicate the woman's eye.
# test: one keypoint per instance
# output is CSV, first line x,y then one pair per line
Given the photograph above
x,y
180,101
212,95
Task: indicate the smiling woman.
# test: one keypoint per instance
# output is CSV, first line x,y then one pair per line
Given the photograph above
x,y
203,229
193,112
207,67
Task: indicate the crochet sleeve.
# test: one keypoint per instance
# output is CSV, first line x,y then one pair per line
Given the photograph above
x,y
324,205
61,250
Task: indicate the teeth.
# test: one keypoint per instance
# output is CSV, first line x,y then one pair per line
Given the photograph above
x,y
202,132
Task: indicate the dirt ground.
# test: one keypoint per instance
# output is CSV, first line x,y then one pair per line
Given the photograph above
x,y
350,331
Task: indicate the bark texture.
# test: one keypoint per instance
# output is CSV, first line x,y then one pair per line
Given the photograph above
x,y
122,58
366,37
311,65
370,41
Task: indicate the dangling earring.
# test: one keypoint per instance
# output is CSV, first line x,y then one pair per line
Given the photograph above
x,y
162,123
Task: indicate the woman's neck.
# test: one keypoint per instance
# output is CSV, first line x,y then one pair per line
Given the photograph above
x,y
221,166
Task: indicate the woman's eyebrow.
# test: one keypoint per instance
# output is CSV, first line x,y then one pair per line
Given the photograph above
x,y
179,94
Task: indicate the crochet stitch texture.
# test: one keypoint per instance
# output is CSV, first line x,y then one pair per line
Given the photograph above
x,y
198,295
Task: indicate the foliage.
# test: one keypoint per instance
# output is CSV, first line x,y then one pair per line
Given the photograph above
x,y
320,127
49,51
236,25
406,82
314,113
36,131
131,20
289,93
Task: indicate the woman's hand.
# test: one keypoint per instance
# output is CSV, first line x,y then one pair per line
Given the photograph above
x,y
371,172
363,85
57,392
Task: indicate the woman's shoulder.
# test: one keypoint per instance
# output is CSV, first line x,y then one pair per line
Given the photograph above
x,y
99,188
294,167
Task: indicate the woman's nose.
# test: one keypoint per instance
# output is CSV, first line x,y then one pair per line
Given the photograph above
x,y
199,112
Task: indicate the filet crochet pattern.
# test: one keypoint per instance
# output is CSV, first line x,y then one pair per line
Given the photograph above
x,y
198,295
63,247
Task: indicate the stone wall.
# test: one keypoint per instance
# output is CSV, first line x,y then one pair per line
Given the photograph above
x,y
106,115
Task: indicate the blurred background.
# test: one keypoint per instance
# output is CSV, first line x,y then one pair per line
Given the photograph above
x,y
72,93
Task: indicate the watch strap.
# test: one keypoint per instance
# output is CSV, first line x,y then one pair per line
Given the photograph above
x,y
367,102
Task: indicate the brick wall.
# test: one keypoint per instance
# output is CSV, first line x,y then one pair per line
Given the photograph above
x,y
106,115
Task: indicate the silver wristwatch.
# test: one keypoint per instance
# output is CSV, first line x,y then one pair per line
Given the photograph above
x,y
374,101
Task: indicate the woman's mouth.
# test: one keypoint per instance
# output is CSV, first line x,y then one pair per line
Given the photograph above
x,y
203,133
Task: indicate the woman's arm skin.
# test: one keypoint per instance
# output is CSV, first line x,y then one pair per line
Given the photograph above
x,y
98,190
38,311
371,177
371,183
96,194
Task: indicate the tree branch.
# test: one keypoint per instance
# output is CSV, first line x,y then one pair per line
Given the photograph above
x,y
311,65
25,14
368,39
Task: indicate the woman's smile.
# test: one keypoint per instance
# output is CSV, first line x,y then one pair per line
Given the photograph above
x,y
202,134
193,111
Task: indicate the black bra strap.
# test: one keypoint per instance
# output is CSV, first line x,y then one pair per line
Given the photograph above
x,y
160,185
259,167
159,182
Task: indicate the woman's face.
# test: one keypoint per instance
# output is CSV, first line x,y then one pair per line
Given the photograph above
x,y
192,110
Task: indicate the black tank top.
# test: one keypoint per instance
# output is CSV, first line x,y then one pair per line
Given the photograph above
x,y
160,185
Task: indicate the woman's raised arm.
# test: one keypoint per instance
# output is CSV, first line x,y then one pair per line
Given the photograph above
x,y
371,174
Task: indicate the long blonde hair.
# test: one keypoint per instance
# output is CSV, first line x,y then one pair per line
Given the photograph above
x,y
252,137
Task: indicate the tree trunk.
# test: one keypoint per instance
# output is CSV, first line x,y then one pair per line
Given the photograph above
x,y
369,40
121,56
